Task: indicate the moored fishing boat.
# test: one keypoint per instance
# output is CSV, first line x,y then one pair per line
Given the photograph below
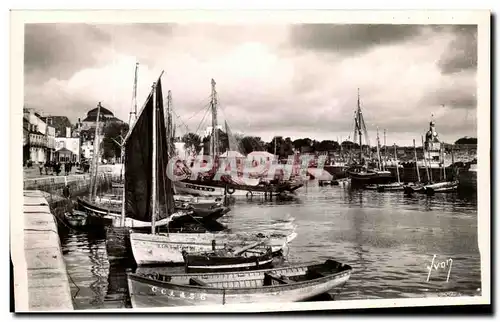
x,y
240,181
186,212
213,188
225,260
394,186
361,175
444,185
286,284
164,248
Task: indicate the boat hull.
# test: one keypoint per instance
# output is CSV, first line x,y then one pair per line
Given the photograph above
x,y
212,263
409,189
390,187
76,220
146,292
167,248
217,190
113,218
370,178
442,187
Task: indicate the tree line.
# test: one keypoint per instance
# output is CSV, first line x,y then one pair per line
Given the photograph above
x,y
282,146
278,145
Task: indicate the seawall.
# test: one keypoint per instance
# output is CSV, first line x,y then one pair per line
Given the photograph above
x,y
78,184
40,277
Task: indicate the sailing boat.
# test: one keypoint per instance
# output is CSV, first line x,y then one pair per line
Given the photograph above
x,y
360,174
110,210
149,197
395,186
232,184
444,185
418,186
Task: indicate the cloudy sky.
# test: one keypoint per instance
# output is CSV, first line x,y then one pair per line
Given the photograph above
x,y
289,80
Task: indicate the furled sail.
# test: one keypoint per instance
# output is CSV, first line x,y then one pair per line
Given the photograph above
x,y
139,163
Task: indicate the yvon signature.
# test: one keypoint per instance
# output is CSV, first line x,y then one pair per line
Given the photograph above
x,y
440,266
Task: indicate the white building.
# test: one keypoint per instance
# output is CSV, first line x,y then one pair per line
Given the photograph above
x,y
37,138
51,142
87,149
71,144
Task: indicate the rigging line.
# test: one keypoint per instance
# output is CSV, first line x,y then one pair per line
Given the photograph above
x,y
196,113
199,125
181,121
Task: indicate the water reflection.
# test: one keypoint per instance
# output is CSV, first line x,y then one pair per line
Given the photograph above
x,y
388,238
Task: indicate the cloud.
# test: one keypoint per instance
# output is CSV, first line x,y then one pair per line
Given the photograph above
x,y
461,53
348,39
60,50
268,83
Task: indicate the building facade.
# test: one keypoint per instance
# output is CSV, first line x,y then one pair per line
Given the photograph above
x,y
51,143
68,144
86,129
36,144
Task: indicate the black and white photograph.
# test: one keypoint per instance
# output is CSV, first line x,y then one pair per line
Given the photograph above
x,y
249,161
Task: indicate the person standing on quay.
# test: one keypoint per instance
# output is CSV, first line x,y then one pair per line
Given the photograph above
x,y
40,167
66,192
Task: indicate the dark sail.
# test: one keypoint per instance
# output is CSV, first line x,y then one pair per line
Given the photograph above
x,y
139,164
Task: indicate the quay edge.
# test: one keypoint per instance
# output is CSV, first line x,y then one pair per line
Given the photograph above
x,y
40,262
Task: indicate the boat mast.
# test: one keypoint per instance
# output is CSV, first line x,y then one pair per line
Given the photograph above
x,y
396,158
134,99
95,161
153,187
442,158
358,125
378,152
169,124
385,149
416,160
425,161
215,136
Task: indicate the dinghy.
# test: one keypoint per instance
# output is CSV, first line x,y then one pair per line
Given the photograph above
x,y
449,186
395,186
286,284
246,258
76,218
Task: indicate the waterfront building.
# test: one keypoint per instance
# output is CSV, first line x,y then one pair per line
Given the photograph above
x,y
34,130
85,130
68,149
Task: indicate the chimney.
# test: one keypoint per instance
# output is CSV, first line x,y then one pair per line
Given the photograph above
x,y
68,132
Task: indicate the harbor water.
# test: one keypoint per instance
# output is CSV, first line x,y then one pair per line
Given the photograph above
x,y
398,246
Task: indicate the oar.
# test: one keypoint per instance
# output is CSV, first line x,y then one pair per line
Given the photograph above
x,y
242,250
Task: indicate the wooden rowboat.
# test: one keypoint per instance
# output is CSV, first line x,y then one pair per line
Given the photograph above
x,y
226,260
411,188
447,186
286,284
395,186
76,218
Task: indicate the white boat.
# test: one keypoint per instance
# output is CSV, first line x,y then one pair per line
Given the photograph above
x,y
276,285
195,188
447,186
164,248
